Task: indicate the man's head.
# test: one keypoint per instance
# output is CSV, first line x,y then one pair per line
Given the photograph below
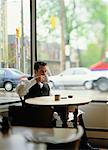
x,y
40,69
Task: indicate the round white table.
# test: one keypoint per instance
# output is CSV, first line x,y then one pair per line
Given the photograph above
x,y
62,103
64,100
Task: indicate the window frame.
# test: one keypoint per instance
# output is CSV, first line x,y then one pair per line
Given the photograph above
x,y
33,33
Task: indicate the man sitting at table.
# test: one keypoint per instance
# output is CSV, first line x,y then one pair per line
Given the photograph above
x,y
37,86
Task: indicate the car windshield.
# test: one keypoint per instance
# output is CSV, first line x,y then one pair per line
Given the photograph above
x,y
14,72
17,72
76,71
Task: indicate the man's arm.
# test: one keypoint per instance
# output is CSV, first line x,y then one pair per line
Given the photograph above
x,y
24,86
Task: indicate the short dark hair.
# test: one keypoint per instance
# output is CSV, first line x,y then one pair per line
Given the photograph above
x,y
39,63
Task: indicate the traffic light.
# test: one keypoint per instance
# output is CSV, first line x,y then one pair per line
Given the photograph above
x,y
53,22
18,32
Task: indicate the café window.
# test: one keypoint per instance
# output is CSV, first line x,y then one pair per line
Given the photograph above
x,y
15,43
15,34
73,34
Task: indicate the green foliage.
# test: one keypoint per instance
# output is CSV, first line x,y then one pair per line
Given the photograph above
x,y
98,14
91,55
83,18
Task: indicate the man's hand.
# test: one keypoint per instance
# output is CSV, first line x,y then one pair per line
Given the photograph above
x,y
20,89
24,86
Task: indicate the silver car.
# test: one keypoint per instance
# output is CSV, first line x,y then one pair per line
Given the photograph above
x,y
79,76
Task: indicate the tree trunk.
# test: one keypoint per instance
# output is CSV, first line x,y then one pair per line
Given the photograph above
x,y
62,52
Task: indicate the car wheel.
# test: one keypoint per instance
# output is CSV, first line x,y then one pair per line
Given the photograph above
x,y
102,84
88,84
8,86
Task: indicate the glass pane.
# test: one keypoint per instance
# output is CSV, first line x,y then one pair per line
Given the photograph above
x,y
73,35
14,45
67,40
15,34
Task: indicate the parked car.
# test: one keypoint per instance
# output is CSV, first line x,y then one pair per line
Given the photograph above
x,y
10,77
80,76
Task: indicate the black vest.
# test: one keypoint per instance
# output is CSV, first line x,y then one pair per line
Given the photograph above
x,y
36,91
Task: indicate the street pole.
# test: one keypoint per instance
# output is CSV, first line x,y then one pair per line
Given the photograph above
x,y
18,53
18,46
22,39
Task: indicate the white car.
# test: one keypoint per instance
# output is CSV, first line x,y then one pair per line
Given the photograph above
x,y
80,76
